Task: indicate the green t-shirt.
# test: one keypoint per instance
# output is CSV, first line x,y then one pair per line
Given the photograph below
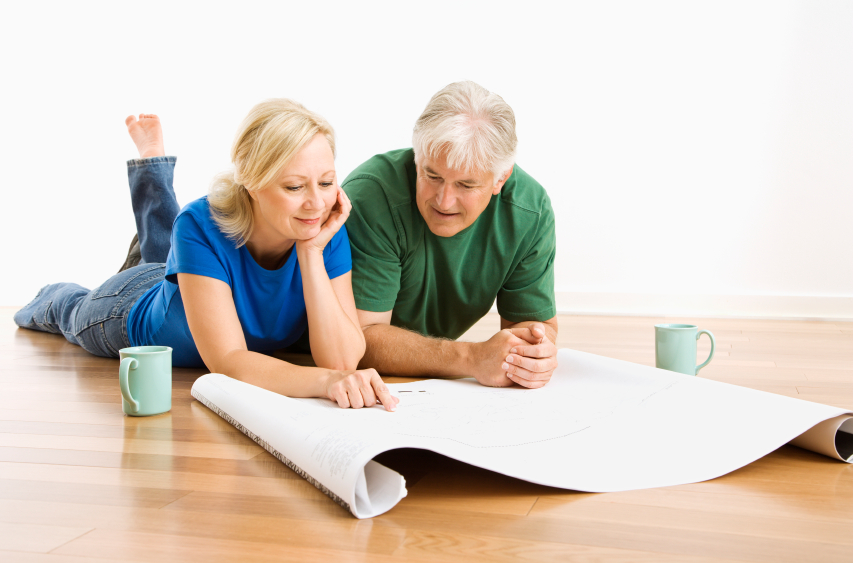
x,y
441,286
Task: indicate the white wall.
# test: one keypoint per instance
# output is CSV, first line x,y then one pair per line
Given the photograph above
x,y
699,155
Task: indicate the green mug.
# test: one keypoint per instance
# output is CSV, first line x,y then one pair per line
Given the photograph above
x,y
145,378
675,348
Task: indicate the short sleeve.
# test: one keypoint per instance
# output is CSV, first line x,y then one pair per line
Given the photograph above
x,y
337,255
192,252
375,247
528,293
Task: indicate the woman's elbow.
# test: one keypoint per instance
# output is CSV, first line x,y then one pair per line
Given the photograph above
x,y
348,362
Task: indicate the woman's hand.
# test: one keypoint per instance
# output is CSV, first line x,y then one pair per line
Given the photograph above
x,y
359,388
338,216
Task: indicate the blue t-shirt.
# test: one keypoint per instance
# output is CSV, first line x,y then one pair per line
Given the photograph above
x,y
269,303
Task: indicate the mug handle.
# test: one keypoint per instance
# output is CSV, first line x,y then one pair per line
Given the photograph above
x,y
126,365
713,345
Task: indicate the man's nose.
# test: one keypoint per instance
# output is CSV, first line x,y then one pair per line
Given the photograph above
x,y
444,198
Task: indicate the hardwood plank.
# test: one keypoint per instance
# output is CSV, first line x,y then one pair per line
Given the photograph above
x,y
229,435
274,486
130,445
88,494
788,354
437,546
633,536
692,519
105,406
746,363
172,548
814,362
23,557
336,531
812,508
262,465
36,537
90,385
198,417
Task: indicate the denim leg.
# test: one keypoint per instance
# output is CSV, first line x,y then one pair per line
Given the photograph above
x,y
53,310
95,320
154,204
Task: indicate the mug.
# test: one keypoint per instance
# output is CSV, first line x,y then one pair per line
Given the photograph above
x,y
675,348
145,378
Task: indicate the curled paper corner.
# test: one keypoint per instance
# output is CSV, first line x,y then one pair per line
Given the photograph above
x,y
832,437
377,490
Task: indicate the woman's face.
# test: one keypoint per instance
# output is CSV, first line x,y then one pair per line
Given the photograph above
x,y
297,203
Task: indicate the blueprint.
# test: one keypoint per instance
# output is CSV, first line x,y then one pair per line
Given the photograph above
x,y
599,425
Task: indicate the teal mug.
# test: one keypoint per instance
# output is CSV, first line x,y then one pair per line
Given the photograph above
x,y
675,348
145,378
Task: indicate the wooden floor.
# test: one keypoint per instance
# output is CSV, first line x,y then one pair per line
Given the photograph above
x,y
80,481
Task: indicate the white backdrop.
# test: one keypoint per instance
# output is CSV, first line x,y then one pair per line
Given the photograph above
x,y
699,155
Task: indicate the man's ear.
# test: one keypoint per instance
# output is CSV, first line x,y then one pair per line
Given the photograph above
x,y
502,180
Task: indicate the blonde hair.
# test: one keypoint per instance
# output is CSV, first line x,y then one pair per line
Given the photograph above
x,y
473,127
269,137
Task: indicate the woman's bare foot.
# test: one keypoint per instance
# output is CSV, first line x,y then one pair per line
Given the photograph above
x,y
147,134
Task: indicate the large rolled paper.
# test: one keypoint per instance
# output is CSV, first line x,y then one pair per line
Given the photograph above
x,y
600,425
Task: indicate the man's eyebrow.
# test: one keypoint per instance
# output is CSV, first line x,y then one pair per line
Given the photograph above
x,y
471,182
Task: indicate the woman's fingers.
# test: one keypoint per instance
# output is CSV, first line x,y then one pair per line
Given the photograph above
x,y
346,204
340,396
338,216
363,388
388,400
356,400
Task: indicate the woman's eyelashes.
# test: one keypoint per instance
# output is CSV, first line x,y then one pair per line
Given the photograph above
x,y
323,185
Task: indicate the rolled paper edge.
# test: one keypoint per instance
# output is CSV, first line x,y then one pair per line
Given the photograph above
x,y
822,437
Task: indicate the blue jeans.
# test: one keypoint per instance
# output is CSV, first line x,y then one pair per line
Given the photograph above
x,y
97,320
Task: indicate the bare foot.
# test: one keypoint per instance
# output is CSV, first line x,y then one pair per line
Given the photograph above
x,y
147,134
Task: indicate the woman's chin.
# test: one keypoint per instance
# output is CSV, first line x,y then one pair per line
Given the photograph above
x,y
309,232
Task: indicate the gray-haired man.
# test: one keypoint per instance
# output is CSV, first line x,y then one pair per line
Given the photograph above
x,y
440,231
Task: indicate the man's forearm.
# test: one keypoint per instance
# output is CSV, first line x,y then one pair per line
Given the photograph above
x,y
396,351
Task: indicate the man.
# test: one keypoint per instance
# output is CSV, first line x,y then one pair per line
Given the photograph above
x,y
440,231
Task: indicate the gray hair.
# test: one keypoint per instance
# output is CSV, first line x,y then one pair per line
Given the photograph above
x,y
472,127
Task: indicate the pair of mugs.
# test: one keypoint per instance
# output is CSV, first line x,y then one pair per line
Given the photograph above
x,y
145,372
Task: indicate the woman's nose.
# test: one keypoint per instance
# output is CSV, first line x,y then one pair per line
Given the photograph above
x,y
314,199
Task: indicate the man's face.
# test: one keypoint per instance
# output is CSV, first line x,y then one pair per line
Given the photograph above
x,y
451,200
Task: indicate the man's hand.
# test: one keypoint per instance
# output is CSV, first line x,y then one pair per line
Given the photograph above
x,y
532,363
487,357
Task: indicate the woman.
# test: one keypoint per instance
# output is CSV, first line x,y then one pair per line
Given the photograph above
x,y
246,269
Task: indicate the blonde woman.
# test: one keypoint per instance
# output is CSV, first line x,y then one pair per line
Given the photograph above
x,y
237,273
